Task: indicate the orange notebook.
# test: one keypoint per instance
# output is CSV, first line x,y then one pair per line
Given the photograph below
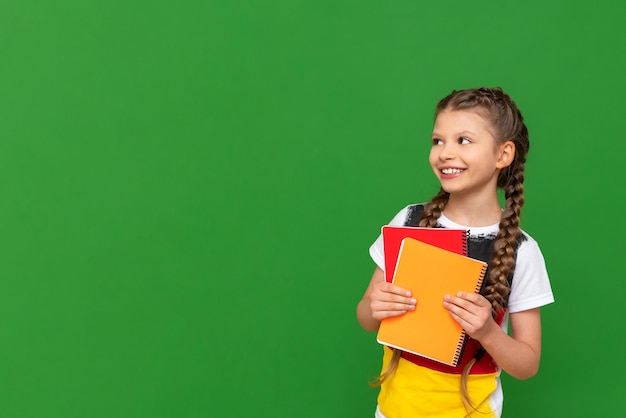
x,y
454,240
430,273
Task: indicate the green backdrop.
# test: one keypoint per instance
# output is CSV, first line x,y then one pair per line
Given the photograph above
x,y
189,189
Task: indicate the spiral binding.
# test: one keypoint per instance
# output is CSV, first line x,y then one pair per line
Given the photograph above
x,y
459,349
466,242
460,345
479,284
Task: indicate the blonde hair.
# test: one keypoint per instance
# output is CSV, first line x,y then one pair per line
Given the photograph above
x,y
508,124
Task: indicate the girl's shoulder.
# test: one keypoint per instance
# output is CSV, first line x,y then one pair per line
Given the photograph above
x,y
527,240
409,215
528,247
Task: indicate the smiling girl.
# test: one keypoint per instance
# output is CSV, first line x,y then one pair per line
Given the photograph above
x,y
479,144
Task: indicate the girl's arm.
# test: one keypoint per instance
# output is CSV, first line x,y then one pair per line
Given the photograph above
x,y
518,354
382,300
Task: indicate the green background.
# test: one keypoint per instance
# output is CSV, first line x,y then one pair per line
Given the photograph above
x,y
189,190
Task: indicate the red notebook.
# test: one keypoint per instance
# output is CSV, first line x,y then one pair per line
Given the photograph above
x,y
454,240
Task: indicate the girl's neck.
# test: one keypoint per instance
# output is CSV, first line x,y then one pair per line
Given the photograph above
x,y
475,212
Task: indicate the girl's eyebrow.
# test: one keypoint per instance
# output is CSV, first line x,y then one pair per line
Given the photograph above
x,y
470,133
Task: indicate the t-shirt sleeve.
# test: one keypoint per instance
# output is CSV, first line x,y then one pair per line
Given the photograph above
x,y
376,249
531,286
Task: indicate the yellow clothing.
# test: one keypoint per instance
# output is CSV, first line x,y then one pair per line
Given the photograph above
x,y
415,391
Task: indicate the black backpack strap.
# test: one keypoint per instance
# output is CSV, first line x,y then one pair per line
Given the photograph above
x,y
414,215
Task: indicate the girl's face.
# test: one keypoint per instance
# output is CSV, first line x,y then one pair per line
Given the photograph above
x,y
465,155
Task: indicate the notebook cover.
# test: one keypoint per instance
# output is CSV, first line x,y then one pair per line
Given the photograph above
x,y
430,273
454,240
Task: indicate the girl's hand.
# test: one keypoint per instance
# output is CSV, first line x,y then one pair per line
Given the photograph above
x,y
382,300
387,300
473,312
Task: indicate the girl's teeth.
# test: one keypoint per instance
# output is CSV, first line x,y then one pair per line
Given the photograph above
x,y
450,171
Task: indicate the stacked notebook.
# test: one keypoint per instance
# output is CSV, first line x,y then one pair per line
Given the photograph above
x,y
431,263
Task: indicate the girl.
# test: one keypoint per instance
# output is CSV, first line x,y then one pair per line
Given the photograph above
x,y
479,143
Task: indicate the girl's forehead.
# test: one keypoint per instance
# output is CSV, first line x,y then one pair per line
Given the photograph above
x,y
457,122
451,118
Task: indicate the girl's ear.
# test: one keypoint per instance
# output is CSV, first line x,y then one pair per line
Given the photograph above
x,y
507,154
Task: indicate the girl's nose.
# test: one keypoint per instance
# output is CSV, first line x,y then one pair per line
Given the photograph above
x,y
447,152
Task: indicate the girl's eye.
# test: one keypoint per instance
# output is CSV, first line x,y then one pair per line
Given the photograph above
x,y
463,140
437,141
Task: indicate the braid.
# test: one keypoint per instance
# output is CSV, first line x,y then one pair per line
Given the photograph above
x,y
433,209
389,371
503,261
